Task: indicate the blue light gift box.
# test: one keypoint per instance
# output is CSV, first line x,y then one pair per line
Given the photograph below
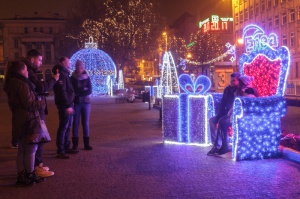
x,y
186,115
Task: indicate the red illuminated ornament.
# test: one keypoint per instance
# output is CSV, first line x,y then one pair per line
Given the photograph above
x,y
266,74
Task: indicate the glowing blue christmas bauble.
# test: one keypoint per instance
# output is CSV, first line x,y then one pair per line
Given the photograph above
x,y
99,66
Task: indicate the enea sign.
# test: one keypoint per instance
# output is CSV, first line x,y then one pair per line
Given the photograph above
x,y
215,23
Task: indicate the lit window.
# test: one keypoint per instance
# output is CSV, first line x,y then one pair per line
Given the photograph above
x,y
251,12
269,4
270,23
246,14
276,21
17,56
16,43
292,15
284,40
256,9
236,19
241,17
292,39
297,70
263,6
283,18
263,25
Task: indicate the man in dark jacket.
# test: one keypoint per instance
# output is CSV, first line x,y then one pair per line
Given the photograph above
x,y
33,62
222,119
64,97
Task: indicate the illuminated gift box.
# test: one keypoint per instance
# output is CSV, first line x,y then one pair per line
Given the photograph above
x,y
256,121
186,115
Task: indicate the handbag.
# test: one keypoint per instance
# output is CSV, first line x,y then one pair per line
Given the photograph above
x,y
37,131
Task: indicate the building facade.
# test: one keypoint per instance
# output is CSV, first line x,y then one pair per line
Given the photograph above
x,y
18,35
281,17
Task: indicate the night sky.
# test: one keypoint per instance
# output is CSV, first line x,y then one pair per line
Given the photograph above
x,y
171,9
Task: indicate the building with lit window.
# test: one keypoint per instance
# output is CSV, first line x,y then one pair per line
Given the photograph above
x,y
281,17
18,35
147,70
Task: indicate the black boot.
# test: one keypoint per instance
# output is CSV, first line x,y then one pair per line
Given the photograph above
x,y
86,141
75,143
225,145
23,180
33,177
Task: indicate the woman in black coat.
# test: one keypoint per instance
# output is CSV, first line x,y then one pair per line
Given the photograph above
x,y
22,103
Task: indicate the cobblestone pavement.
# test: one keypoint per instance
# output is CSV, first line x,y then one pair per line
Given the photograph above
x,y
129,160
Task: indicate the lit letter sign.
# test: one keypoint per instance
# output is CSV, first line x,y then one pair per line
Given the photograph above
x,y
215,24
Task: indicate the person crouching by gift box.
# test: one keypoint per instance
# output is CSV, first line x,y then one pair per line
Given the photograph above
x,y
82,107
21,101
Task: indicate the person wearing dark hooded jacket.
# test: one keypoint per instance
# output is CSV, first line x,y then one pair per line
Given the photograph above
x,y
83,88
63,97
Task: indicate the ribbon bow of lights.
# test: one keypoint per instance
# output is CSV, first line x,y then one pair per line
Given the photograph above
x,y
200,86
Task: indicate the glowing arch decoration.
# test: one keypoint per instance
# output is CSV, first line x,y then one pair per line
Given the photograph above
x,y
256,121
99,66
169,77
186,115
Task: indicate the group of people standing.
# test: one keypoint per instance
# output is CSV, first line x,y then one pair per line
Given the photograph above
x,y
240,85
27,93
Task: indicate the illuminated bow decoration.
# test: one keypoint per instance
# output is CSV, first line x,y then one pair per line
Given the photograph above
x,y
200,86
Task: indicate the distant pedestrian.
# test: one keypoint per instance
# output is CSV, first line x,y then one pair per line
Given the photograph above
x,y
22,103
82,106
64,97
131,95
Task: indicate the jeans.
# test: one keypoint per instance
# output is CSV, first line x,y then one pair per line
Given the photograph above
x,y
222,132
63,131
25,157
38,154
213,123
83,110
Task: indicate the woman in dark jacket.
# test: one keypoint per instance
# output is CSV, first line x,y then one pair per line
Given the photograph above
x,y
82,107
22,103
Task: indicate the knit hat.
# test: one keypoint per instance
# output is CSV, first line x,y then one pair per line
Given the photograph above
x,y
247,80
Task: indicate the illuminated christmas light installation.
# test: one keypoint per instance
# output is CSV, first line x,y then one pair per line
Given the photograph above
x,y
99,66
185,115
256,121
120,80
169,77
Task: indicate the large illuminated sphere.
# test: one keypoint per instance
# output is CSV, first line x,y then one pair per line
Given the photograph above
x,y
99,66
